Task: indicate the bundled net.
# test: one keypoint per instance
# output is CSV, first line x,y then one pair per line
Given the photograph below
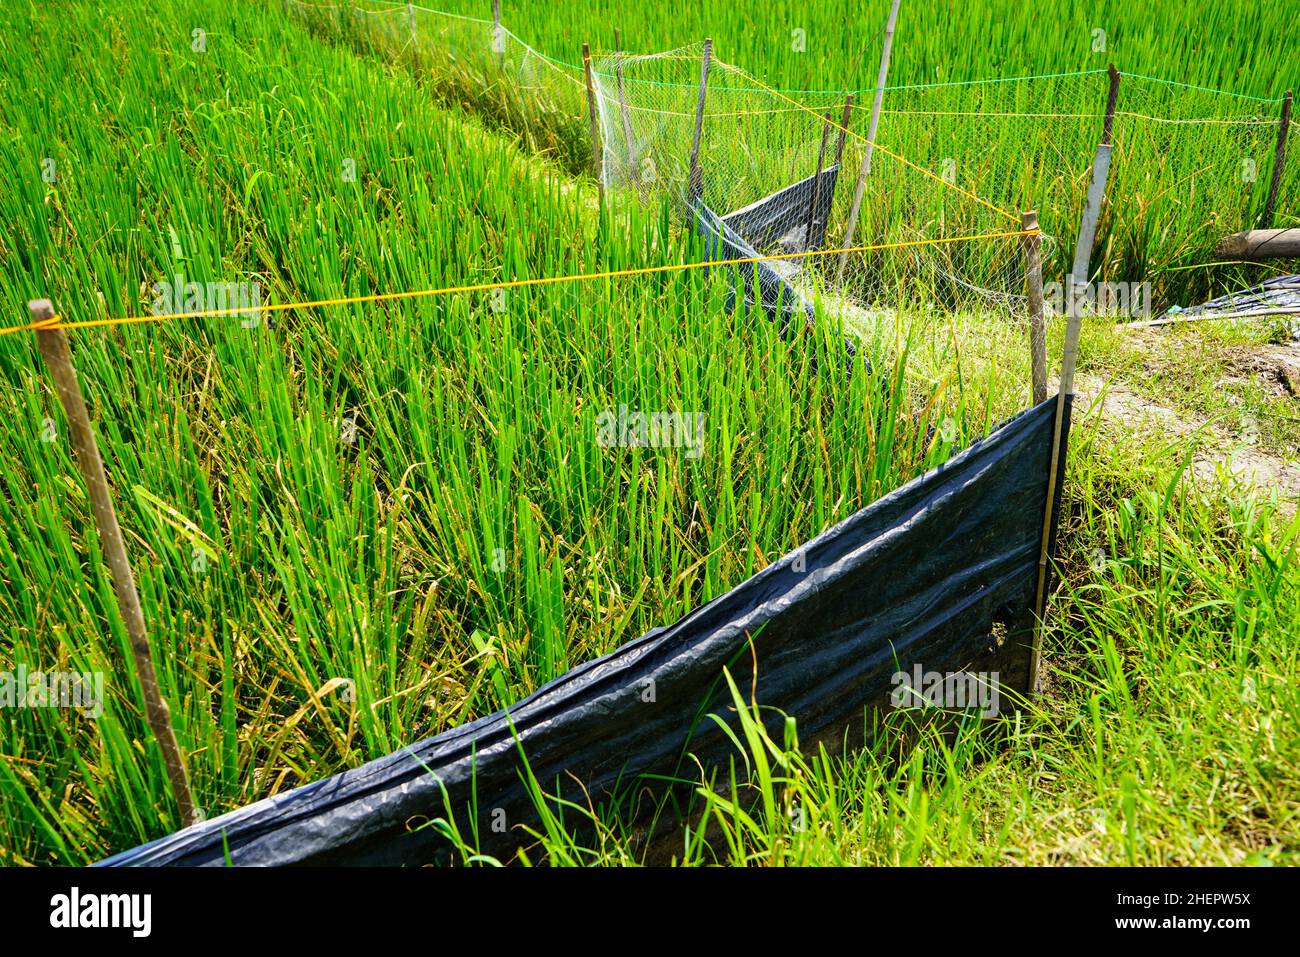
x,y
775,173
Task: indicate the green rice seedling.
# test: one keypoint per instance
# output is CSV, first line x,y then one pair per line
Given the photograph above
x,y
356,525
353,526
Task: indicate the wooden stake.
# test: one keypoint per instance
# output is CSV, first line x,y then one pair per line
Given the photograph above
x,y
410,15
595,129
844,128
865,169
1033,245
632,159
53,344
696,188
1112,98
816,186
1279,161
839,155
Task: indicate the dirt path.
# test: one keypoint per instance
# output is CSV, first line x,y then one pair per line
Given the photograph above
x,y
1219,451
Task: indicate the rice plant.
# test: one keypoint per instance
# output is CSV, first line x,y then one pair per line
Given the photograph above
x,y
360,524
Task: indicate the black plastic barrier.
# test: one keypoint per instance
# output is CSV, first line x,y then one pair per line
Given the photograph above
x,y
752,283
938,576
783,216
776,220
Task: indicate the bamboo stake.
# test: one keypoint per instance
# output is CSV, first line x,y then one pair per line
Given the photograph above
x,y
1088,221
1033,245
1096,192
497,35
595,129
632,160
696,188
1279,161
1078,277
815,200
1063,396
865,169
53,344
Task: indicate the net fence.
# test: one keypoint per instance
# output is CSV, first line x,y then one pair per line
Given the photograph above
x,y
950,160
782,174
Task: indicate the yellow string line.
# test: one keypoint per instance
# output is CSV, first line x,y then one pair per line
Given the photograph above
x,y
509,284
901,159
995,114
609,55
49,323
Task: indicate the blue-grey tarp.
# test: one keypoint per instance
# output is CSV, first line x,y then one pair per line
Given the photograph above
x,y
753,282
939,574
785,213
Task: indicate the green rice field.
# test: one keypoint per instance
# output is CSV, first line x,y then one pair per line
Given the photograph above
x,y
359,524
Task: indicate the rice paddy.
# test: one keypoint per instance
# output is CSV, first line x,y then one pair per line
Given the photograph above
x,y
358,525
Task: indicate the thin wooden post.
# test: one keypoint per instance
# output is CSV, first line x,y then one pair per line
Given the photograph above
x,y
1279,161
844,128
53,344
1112,98
839,156
595,128
865,168
1069,359
498,36
410,16
815,199
632,159
696,188
1033,246
1082,268
1064,398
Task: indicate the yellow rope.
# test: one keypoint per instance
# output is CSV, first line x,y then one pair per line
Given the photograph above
x,y
902,159
509,284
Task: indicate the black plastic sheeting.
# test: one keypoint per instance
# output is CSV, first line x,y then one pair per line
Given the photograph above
x,y
778,220
755,284
759,283
782,217
939,574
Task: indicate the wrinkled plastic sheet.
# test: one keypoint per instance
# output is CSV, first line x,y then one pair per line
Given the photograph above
x,y
939,574
753,283
1280,292
782,217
